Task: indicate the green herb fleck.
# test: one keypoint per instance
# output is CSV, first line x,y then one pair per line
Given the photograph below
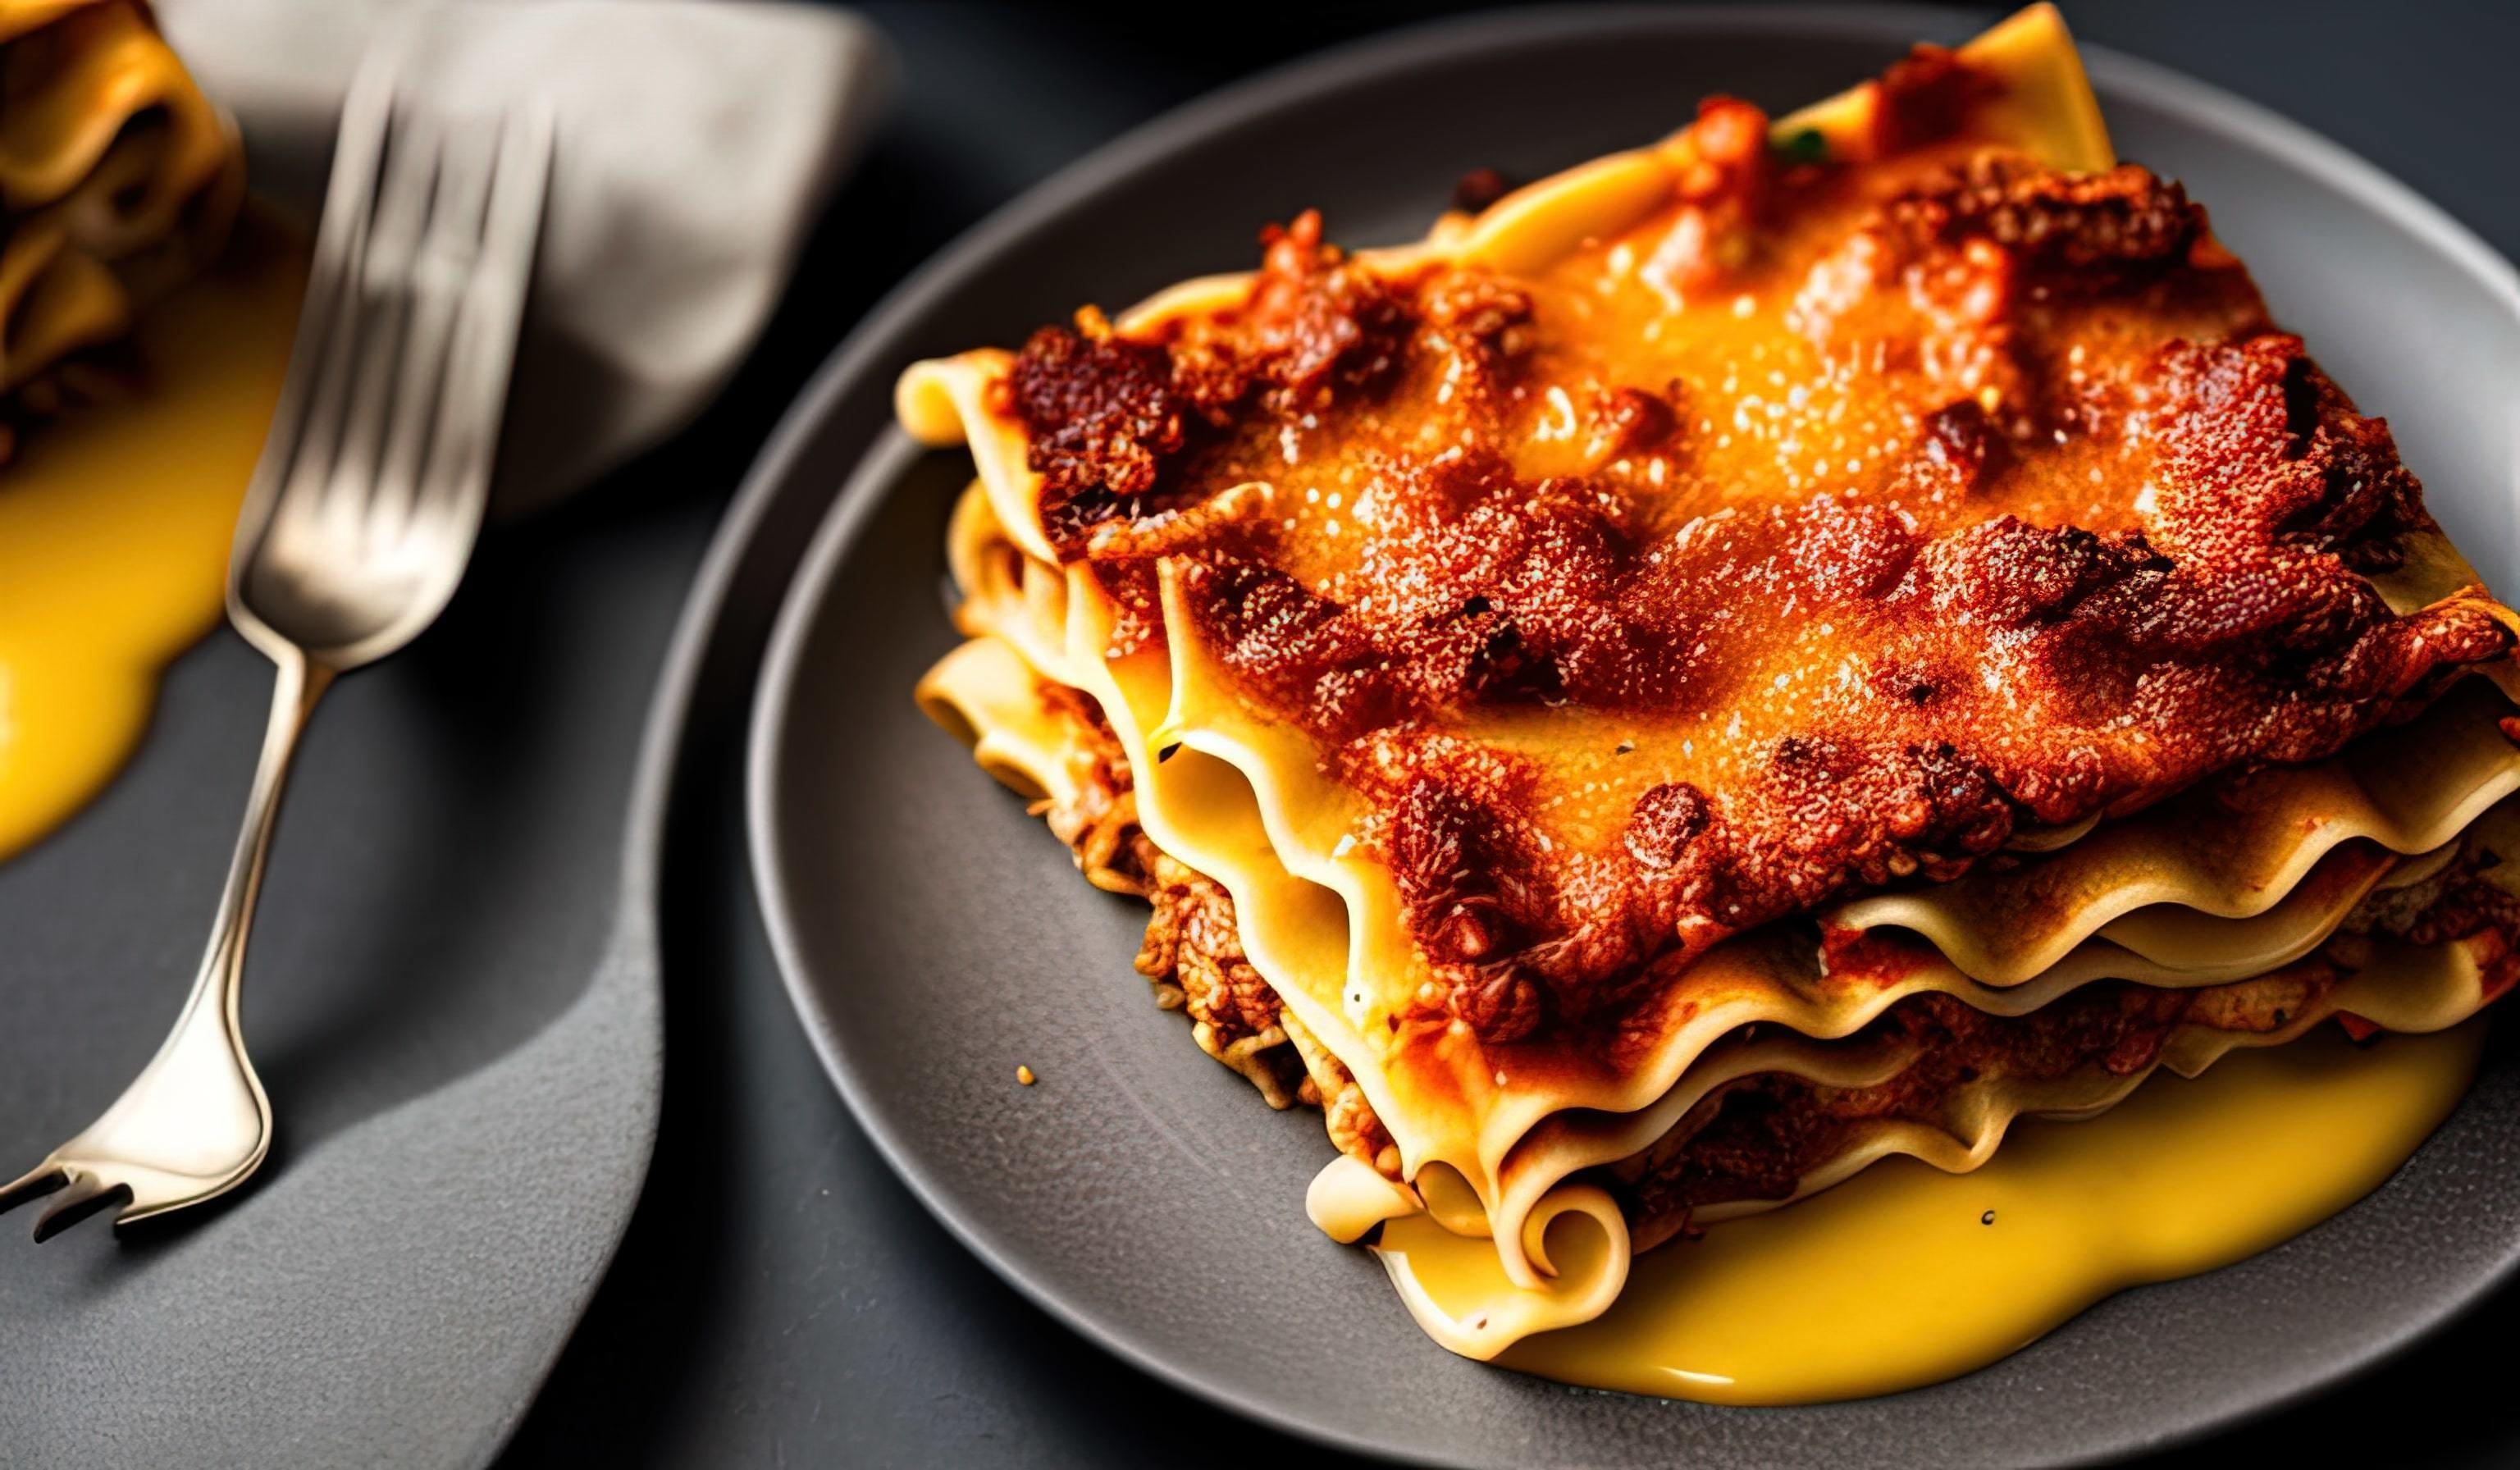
x,y
1805,147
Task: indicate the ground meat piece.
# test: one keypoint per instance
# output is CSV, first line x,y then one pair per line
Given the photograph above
x,y
1350,1119
1722,191
1958,448
1631,420
1192,939
1192,944
1100,415
1756,1139
2461,900
1476,315
1107,417
1316,323
1100,826
2064,224
2258,452
1923,98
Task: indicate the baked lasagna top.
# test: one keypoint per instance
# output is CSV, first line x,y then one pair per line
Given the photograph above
x,y
1827,505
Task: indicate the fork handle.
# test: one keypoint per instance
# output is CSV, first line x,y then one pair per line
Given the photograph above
x,y
208,1029
300,683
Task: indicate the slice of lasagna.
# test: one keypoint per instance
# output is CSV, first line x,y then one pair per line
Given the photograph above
x,y
118,180
1798,643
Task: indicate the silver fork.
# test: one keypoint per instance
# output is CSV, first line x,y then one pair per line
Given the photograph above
x,y
361,517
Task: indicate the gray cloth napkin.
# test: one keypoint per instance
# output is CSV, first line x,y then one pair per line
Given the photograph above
x,y
698,141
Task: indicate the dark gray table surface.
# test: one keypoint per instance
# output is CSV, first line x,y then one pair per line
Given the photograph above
x,y
781,1299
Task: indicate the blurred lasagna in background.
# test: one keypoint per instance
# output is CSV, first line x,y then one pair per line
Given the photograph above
x,y
118,179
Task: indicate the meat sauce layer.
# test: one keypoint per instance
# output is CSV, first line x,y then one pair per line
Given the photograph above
x,y
1758,1137
1816,533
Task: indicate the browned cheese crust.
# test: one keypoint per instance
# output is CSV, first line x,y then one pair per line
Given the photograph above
x,y
2077,523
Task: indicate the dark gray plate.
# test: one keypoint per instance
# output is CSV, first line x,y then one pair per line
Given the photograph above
x,y
933,937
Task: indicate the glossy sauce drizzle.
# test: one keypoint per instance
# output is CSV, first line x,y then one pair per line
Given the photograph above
x,y
1906,1276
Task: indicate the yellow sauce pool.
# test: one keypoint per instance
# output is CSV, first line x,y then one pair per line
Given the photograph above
x,y
1906,1276
114,523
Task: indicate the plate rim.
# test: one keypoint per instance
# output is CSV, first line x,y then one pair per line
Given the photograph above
x,y
860,494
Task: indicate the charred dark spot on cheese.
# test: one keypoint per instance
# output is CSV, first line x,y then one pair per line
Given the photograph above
x,y
1958,448
1665,821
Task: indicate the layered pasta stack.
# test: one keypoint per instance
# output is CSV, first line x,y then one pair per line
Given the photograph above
x,y
1801,644
118,180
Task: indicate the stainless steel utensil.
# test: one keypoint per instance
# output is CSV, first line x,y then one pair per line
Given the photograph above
x,y
362,515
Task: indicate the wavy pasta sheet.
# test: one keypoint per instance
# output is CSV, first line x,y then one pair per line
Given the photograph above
x,y
2232,849
990,699
2411,990
2390,985
117,177
1492,1131
2404,988
1776,976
